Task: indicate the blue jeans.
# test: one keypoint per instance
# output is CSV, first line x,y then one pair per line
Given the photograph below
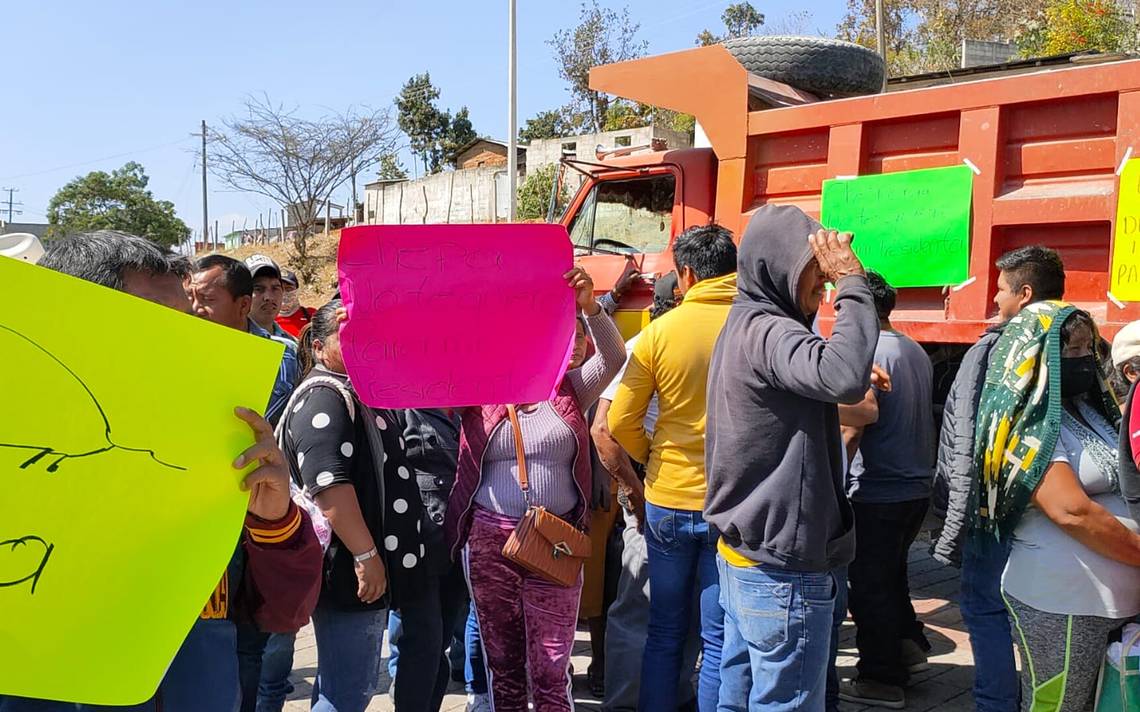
x,y
474,670
995,675
837,617
682,555
348,658
276,666
777,638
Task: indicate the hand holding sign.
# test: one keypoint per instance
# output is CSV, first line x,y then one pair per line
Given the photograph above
x,y
583,286
121,509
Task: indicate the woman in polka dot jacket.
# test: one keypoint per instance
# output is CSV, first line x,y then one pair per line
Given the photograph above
x,y
350,460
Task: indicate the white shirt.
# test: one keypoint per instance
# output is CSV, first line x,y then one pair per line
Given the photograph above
x,y
1053,572
610,393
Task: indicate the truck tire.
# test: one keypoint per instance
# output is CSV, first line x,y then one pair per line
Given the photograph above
x,y
824,67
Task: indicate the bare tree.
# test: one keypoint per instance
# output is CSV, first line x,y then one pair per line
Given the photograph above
x,y
299,162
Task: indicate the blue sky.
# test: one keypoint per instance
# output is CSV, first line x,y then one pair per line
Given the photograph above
x,y
91,85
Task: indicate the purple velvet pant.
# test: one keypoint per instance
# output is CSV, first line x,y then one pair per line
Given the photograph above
x,y
526,623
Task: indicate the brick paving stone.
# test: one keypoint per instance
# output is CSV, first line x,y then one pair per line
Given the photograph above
x,y
946,687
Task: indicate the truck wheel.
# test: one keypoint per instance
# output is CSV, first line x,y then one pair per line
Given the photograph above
x,y
824,67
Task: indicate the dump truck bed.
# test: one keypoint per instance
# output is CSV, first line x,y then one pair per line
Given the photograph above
x,y
1046,148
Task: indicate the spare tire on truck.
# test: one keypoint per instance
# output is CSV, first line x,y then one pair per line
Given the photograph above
x,y
824,67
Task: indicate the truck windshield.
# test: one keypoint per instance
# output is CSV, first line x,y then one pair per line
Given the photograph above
x,y
633,215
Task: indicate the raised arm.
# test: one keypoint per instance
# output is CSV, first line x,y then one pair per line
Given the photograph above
x,y
592,378
835,370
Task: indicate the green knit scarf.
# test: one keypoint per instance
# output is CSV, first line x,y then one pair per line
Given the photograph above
x,y
1019,416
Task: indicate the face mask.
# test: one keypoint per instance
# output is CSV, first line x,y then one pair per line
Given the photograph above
x,y
1078,376
290,302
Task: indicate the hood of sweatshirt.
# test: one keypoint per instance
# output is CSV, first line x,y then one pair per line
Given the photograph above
x,y
774,253
715,290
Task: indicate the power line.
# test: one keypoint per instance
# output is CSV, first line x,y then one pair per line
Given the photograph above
x,y
95,160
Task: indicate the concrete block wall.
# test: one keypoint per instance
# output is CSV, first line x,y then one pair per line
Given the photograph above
x,y
462,196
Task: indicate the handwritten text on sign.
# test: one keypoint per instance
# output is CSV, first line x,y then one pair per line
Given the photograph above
x,y
121,508
1126,251
912,227
456,315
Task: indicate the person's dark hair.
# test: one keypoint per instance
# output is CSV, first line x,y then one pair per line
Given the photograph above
x,y
236,278
1039,267
322,325
708,250
884,295
664,296
104,256
181,265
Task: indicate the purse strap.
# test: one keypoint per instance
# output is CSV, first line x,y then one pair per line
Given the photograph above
x,y
524,481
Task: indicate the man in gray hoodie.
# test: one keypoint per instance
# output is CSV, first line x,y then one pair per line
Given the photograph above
x,y
775,458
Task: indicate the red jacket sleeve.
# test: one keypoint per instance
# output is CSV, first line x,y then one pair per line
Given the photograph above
x,y
283,569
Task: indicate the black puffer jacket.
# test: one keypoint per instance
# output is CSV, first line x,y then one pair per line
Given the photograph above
x,y
954,471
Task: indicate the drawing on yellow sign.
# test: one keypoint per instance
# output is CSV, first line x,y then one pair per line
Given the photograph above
x,y
1125,282
121,508
101,441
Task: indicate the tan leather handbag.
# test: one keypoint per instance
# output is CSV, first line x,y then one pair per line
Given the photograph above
x,y
544,543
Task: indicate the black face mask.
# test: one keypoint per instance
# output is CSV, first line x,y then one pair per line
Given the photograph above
x,y
1078,375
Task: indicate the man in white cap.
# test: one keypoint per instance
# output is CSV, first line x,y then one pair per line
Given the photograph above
x,y
267,294
21,246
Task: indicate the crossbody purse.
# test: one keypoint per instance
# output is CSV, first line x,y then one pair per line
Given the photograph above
x,y
542,542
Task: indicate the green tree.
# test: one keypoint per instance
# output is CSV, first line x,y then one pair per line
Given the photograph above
x,y
115,201
534,193
707,38
740,20
628,115
602,36
926,35
390,168
1076,26
552,123
421,120
457,134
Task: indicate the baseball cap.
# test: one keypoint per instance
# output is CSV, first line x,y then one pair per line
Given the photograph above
x,y
1126,344
290,278
665,289
21,246
260,263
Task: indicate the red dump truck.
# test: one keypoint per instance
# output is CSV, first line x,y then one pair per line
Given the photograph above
x,y
1046,146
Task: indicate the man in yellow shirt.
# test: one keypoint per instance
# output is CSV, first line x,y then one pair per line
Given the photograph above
x,y
671,361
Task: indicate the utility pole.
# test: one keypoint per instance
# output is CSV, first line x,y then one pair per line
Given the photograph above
x,y
11,203
512,110
205,195
881,38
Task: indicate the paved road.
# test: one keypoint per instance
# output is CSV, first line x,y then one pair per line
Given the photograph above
x,y
934,588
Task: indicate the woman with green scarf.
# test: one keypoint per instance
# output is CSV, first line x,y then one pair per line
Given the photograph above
x,y
1047,467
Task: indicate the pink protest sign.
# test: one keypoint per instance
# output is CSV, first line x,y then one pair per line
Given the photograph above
x,y
456,315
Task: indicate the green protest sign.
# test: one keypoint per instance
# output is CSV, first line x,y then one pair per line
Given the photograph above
x,y
911,227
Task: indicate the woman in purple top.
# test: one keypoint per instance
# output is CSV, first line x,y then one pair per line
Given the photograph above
x,y
527,624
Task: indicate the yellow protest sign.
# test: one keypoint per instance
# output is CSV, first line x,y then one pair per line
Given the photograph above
x,y
119,509
1125,283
